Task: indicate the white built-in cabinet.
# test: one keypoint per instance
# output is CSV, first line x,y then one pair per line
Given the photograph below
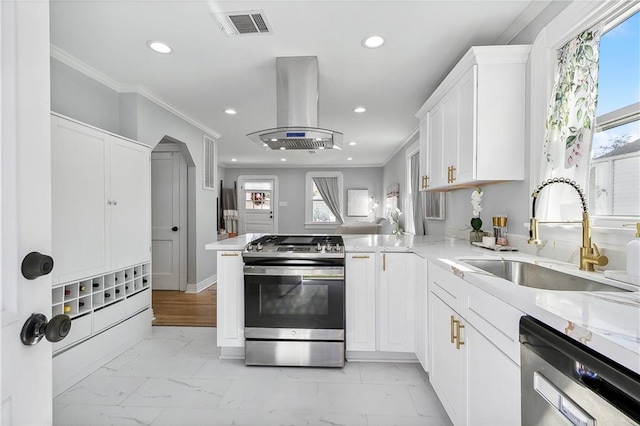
x,y
230,294
422,317
474,352
472,126
380,302
101,245
101,204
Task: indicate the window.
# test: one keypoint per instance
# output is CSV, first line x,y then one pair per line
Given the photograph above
x,y
257,195
322,208
615,154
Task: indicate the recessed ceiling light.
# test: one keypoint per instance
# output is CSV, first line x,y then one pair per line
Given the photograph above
x,y
353,143
359,110
230,111
234,160
322,147
283,159
282,148
274,140
373,41
349,158
159,46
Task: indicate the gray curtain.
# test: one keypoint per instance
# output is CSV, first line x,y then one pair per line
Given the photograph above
x,y
416,195
328,188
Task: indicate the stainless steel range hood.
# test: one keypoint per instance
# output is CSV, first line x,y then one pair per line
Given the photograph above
x,y
297,114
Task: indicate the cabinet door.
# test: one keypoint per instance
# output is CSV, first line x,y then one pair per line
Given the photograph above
x,y
130,203
493,382
396,302
79,200
450,135
437,174
422,299
424,151
230,302
445,375
360,288
467,145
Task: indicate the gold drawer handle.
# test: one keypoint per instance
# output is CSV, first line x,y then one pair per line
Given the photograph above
x,y
459,341
360,257
453,322
229,254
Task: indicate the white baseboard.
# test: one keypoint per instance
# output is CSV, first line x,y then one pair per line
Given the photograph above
x,y
363,356
76,363
202,285
231,353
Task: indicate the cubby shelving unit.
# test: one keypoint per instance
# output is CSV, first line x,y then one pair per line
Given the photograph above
x,y
95,303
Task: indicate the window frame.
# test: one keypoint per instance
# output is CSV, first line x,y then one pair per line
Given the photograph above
x,y
571,21
308,199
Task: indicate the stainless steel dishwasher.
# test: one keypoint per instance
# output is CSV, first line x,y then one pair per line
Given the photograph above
x,y
565,382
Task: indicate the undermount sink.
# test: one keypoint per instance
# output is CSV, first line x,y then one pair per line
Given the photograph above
x,y
532,275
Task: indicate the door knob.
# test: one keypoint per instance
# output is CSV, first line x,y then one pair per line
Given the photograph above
x,y
37,327
174,229
36,264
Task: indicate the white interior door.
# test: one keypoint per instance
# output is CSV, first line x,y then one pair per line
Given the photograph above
x,y
166,224
25,213
257,204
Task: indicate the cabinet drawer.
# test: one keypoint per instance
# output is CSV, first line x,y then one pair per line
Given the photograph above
x,y
446,285
137,302
493,318
108,315
80,328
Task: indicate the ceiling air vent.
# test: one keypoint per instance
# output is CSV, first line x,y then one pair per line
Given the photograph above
x,y
243,23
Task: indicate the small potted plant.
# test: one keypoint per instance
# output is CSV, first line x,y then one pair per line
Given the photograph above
x,y
476,234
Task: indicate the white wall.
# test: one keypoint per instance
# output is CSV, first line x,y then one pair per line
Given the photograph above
x,y
291,189
134,116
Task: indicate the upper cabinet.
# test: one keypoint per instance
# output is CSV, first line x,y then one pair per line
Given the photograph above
x,y
472,127
101,207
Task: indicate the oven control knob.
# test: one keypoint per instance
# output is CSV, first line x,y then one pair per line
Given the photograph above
x,y
259,246
328,247
249,247
319,247
338,248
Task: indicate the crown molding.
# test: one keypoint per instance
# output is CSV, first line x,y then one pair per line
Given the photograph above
x,y
521,22
102,78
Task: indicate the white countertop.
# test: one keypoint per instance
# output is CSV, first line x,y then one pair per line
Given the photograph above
x,y
608,322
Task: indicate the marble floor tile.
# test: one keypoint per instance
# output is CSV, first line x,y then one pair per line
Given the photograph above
x,y
373,420
104,415
392,373
426,401
201,347
220,417
235,369
185,333
158,347
152,366
349,374
97,390
365,399
183,393
270,396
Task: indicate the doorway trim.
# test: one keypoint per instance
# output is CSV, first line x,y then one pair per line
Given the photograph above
x,y
274,200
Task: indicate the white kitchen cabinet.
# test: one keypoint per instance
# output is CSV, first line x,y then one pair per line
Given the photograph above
x,y
101,201
422,319
396,302
360,289
473,366
474,121
230,306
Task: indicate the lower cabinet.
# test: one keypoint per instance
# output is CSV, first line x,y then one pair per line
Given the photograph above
x,y
476,378
422,317
380,302
230,302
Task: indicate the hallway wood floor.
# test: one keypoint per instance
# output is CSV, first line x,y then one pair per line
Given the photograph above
x,y
184,309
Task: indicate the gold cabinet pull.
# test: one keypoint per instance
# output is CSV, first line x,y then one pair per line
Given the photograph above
x,y
453,169
360,257
229,254
449,173
384,262
453,322
459,341
425,182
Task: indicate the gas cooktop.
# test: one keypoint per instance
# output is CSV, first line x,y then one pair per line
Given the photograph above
x,y
296,246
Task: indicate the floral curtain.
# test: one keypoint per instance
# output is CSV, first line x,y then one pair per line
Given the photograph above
x,y
570,124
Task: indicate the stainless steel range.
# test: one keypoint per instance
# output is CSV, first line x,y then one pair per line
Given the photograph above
x,y
294,301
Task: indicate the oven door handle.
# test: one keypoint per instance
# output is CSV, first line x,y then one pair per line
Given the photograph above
x,y
330,273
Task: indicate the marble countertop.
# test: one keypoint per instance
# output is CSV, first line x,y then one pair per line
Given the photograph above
x,y
608,322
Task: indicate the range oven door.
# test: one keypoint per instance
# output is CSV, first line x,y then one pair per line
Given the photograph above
x,y
309,299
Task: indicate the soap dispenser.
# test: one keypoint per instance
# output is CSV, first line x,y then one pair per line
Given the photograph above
x,y
633,254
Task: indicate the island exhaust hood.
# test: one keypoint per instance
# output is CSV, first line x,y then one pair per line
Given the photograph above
x,y
297,104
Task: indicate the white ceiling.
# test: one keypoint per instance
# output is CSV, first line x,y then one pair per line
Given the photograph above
x,y
209,71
